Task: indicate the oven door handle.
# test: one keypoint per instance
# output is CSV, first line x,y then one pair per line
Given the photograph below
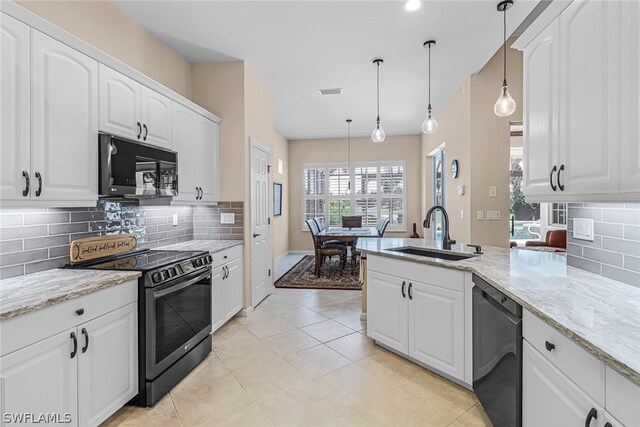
x,y
181,285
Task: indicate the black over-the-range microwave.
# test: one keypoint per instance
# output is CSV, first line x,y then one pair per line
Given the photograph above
x,y
136,170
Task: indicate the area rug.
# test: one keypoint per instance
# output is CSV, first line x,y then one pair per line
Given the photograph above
x,y
301,276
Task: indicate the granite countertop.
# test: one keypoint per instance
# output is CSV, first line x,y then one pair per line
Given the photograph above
x,y
211,246
23,294
599,314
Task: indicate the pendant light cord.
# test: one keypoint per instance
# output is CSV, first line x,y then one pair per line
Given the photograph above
x,y
378,90
504,45
429,76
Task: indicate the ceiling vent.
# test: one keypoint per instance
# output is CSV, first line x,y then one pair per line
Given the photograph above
x,y
334,91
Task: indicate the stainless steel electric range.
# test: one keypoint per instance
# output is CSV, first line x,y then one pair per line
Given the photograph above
x,y
174,315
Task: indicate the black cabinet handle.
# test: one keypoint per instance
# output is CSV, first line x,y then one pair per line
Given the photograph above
x,y
139,130
591,415
560,186
75,345
553,171
410,294
549,346
403,285
608,424
224,273
39,190
197,193
80,311
27,187
227,268
146,132
86,340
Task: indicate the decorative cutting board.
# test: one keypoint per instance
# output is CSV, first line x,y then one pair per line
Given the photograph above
x,y
99,247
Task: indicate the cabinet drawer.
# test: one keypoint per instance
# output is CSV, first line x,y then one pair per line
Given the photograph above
x,y
226,255
581,367
623,398
437,276
32,327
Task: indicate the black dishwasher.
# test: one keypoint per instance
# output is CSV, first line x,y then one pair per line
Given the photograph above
x,y
497,354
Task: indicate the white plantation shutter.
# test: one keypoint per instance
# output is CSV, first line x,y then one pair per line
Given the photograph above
x,y
378,191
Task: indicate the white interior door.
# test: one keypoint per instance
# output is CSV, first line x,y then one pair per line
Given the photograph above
x,y
261,278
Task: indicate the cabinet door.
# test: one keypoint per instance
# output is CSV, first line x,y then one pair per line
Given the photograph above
x,y
209,168
549,398
64,129
107,364
15,110
630,141
119,111
234,284
590,82
436,328
218,297
541,85
156,118
185,128
41,378
387,310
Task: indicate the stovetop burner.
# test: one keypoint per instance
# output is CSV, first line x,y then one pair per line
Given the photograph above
x,y
143,260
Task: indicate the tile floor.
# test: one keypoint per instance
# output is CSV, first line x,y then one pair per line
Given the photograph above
x,y
303,359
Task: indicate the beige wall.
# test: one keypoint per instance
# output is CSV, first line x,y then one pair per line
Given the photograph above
x,y
454,133
407,148
480,141
102,25
220,88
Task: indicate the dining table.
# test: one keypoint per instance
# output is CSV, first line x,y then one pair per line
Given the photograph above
x,y
346,234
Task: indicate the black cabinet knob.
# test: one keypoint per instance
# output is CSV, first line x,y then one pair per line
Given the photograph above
x,y
80,311
549,346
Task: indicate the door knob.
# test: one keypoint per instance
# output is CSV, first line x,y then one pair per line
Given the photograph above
x,y
256,234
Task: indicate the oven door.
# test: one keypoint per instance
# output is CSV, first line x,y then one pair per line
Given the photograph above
x,y
178,316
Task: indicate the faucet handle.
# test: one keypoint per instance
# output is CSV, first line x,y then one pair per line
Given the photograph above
x,y
478,248
452,241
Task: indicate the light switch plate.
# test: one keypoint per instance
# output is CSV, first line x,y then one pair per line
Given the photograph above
x,y
461,213
583,229
175,219
227,218
493,192
461,190
480,215
493,216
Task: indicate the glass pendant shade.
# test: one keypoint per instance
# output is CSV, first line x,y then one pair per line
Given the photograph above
x,y
378,134
430,124
505,105
348,191
412,5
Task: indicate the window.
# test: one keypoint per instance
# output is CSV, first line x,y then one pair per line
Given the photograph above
x,y
558,214
438,193
378,191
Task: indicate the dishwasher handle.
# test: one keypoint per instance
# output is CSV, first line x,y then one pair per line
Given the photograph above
x,y
516,320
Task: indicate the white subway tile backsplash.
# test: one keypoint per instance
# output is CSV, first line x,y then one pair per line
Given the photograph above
x,y
615,251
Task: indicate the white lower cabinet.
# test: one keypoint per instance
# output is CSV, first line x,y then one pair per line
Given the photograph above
x,y
425,321
228,283
80,375
549,398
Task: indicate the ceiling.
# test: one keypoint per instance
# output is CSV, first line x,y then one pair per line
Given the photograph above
x,y
298,47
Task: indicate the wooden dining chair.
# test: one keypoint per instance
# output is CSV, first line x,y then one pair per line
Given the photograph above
x,y
327,249
320,223
352,221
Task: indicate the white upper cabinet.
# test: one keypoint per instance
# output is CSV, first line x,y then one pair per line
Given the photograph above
x,y
209,169
64,127
119,104
156,118
186,125
15,124
581,105
131,110
590,97
541,99
630,84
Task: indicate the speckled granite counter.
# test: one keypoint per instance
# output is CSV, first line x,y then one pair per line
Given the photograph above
x,y
211,246
23,294
600,314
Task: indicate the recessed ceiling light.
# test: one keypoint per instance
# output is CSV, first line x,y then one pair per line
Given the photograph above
x,y
412,5
332,91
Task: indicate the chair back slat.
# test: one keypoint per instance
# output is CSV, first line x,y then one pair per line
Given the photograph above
x,y
352,221
383,226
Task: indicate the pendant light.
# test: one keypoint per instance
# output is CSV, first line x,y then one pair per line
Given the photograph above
x,y
378,134
430,124
412,5
348,192
505,105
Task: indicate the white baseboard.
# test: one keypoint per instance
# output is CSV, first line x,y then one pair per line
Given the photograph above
x,y
363,316
245,312
298,253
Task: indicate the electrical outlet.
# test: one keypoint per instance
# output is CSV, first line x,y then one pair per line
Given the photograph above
x,y
175,219
493,192
227,218
461,213
583,229
461,190
480,215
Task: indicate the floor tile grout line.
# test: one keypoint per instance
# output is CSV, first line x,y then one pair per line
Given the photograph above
x,y
175,408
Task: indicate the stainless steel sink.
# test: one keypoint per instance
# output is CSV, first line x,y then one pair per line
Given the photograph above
x,y
449,256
